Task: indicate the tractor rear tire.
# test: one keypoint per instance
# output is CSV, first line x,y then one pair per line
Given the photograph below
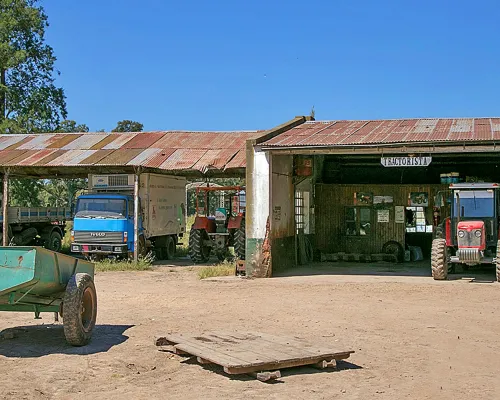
x,y
439,260
79,309
498,262
240,241
198,251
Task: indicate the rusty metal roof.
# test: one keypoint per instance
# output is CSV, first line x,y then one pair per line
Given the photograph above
x,y
175,151
380,132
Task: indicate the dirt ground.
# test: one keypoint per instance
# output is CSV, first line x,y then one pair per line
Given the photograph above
x,y
414,338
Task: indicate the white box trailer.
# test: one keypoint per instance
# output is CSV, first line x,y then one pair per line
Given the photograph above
x,y
99,214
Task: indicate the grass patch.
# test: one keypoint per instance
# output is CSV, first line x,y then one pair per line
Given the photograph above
x,y
223,269
143,264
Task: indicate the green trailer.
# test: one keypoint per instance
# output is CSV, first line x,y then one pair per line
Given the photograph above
x,y
35,279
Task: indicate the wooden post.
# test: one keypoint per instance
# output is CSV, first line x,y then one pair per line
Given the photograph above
x,y
5,203
136,216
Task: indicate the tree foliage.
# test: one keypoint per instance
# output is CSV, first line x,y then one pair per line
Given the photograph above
x,y
128,126
70,126
29,99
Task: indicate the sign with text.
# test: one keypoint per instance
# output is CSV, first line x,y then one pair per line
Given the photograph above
x,y
405,161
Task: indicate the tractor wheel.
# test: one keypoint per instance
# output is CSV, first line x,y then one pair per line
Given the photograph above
x,y
55,241
498,261
169,251
240,241
79,309
439,260
198,251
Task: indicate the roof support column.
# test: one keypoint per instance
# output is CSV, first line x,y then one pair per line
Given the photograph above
x,y
136,215
5,204
258,252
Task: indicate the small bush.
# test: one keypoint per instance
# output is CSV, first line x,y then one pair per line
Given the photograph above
x,y
226,268
143,264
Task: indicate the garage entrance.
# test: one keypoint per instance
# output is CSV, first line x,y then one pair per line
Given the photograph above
x,y
369,191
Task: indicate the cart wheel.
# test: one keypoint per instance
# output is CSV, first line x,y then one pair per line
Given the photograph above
x,y
79,309
55,241
169,248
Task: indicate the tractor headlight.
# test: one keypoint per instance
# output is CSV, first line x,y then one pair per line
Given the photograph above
x,y
461,234
478,233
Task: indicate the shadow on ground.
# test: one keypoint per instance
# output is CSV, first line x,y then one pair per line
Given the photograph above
x,y
285,372
483,274
41,340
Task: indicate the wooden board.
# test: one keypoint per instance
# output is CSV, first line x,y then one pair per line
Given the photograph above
x,y
242,353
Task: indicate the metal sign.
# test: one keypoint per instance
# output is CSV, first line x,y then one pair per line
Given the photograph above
x,y
405,161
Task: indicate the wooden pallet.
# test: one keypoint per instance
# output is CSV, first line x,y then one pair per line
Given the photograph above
x,y
254,353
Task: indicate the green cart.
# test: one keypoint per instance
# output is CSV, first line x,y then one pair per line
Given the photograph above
x,y
38,280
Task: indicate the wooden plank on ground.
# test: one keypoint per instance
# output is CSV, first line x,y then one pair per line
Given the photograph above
x,y
241,353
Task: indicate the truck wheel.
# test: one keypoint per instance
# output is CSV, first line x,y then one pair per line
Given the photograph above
x,y
79,309
498,261
439,260
240,241
55,241
198,251
169,251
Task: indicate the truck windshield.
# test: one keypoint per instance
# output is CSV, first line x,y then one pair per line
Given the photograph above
x,y
474,203
100,207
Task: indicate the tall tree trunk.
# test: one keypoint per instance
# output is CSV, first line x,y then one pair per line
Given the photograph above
x,y
3,97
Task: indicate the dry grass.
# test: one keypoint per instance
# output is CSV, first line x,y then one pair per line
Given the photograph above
x,y
226,268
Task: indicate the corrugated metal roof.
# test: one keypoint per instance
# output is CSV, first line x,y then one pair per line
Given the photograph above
x,y
345,133
165,150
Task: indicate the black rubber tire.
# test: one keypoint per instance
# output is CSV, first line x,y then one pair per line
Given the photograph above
x,y
198,252
439,260
142,247
498,262
393,247
169,251
240,241
54,242
79,309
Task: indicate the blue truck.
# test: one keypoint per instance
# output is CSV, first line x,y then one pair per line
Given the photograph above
x,y
103,223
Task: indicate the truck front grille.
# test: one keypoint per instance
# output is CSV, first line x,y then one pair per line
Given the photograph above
x,y
98,237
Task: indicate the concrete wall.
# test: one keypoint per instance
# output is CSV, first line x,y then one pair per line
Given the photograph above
x,y
257,212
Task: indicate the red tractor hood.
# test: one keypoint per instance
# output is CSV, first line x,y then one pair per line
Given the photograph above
x,y
470,225
471,235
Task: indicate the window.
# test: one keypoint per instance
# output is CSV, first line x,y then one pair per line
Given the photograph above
x,y
474,203
358,221
299,210
415,219
100,206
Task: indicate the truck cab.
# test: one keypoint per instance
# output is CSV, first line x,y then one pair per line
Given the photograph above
x,y
104,224
104,218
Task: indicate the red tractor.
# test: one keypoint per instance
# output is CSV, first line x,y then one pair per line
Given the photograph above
x,y
219,223
470,235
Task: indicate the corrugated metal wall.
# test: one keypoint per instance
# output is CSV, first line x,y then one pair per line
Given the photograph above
x,y
330,204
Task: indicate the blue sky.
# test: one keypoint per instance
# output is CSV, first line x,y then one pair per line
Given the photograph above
x,y
224,65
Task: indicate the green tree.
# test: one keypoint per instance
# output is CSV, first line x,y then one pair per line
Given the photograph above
x,y
69,126
128,126
29,99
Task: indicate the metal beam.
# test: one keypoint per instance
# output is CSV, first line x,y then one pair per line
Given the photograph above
x,y
136,216
384,149
5,203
